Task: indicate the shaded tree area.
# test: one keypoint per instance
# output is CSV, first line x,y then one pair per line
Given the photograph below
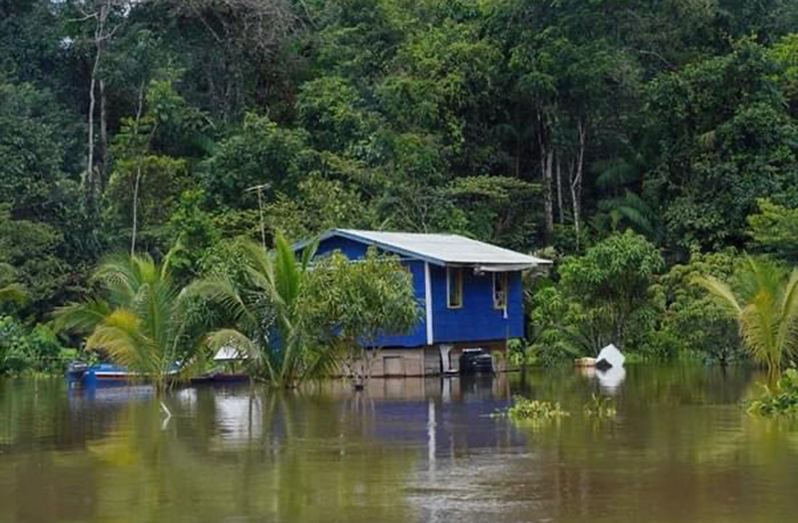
x,y
143,125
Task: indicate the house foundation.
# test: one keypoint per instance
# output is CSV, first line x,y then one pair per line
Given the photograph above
x,y
433,360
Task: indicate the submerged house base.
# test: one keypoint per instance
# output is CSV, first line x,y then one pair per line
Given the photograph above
x,y
433,360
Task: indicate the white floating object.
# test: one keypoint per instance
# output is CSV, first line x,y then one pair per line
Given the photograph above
x,y
611,355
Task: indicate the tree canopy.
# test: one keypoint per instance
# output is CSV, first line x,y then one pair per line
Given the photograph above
x,y
139,125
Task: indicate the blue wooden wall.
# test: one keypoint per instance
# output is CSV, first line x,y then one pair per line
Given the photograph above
x,y
477,320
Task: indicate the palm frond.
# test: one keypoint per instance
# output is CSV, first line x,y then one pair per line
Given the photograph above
x,y
223,291
121,337
788,327
722,291
616,173
81,318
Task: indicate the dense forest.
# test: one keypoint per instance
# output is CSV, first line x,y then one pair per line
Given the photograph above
x,y
636,142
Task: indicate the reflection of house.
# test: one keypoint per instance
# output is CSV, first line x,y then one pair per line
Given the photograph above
x,y
471,293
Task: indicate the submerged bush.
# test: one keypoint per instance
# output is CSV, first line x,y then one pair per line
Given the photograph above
x,y
779,401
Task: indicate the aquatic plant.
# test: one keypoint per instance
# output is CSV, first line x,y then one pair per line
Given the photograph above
x,y
535,410
600,407
781,400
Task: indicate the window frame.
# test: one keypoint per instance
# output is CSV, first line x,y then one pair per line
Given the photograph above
x,y
458,271
504,278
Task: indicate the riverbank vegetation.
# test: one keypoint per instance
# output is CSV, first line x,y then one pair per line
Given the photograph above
x,y
639,145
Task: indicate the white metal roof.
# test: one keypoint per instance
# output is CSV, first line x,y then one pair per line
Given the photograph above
x,y
442,249
229,352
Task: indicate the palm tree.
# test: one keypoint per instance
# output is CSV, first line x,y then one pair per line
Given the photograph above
x,y
765,305
142,319
267,321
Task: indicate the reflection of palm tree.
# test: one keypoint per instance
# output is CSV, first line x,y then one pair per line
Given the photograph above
x,y
142,319
766,308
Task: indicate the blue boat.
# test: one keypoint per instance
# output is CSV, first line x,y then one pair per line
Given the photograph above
x,y
79,372
92,375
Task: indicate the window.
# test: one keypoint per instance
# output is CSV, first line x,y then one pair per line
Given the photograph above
x,y
500,287
454,287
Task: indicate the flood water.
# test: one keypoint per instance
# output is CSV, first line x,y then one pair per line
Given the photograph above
x,y
681,449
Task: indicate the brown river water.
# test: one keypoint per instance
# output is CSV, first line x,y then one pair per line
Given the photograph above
x,y
680,449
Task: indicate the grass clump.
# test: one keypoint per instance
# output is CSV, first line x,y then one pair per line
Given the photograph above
x,y
781,400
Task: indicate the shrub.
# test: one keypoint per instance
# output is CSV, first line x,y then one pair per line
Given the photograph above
x,y
779,401
15,352
21,351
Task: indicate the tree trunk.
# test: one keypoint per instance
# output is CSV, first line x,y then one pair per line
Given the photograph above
x,y
90,178
549,191
135,226
102,164
546,159
576,184
559,190
135,210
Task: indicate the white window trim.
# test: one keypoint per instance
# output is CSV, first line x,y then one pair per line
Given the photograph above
x,y
506,279
449,290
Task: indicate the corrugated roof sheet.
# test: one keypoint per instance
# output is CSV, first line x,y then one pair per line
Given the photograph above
x,y
443,249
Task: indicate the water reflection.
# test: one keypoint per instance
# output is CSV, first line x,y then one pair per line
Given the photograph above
x,y
680,449
609,380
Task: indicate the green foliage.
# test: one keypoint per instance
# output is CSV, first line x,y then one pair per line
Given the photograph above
x,y
691,322
726,140
23,350
496,208
296,323
560,328
265,320
30,250
320,204
354,305
612,279
15,353
261,152
775,228
524,123
332,108
161,181
785,54
139,318
763,300
781,400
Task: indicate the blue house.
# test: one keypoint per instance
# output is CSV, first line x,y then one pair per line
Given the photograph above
x,y
471,293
